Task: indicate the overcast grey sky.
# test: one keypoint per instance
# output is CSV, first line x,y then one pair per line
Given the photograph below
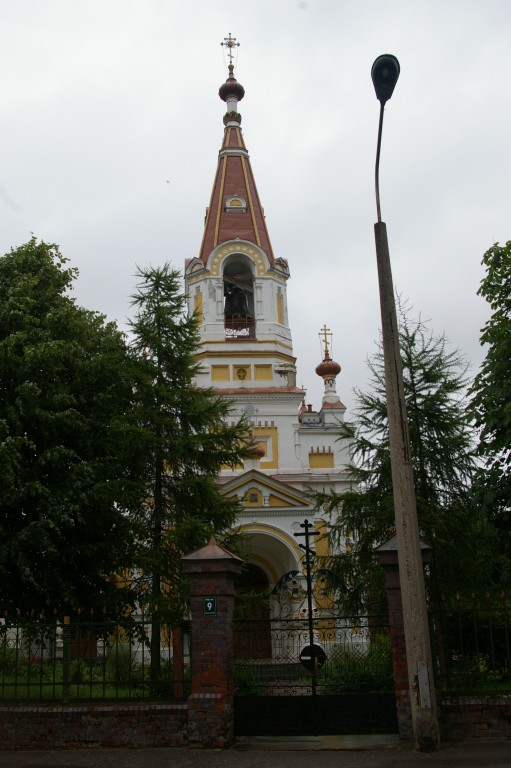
x,y
104,101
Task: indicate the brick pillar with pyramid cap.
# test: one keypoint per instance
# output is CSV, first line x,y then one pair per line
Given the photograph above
x,y
211,570
388,559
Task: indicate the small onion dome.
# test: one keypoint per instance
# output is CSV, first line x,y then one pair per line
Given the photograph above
x,y
328,369
231,87
256,451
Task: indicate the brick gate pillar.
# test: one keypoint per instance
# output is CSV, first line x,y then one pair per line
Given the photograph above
x,y
212,571
388,560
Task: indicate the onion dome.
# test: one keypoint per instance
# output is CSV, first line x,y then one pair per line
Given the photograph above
x,y
231,89
231,92
328,369
256,451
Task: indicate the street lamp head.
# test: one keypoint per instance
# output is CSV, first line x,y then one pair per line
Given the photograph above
x,y
384,74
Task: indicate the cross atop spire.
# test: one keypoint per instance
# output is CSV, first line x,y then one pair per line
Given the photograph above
x,y
230,43
324,333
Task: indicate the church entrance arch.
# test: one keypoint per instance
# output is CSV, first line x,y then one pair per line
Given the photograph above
x,y
269,556
286,683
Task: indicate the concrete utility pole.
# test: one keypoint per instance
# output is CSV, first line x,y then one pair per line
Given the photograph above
x,y
384,73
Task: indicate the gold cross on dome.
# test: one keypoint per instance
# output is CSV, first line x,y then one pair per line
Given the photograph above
x,y
230,43
324,334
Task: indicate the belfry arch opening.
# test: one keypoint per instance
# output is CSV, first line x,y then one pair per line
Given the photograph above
x,y
239,313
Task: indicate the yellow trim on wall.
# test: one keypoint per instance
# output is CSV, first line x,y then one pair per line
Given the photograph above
x,y
237,247
323,548
277,501
322,541
253,498
271,433
321,460
263,372
199,305
220,373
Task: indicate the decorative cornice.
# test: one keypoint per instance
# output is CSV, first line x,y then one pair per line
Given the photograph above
x,y
234,151
231,118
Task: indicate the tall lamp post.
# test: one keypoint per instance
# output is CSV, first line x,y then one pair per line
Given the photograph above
x,y
384,73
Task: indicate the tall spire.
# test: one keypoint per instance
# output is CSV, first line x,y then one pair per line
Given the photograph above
x,y
235,211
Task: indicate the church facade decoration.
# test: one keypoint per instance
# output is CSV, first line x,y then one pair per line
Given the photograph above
x,y
239,289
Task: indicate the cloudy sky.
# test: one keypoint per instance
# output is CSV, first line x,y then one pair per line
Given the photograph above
x,y
105,101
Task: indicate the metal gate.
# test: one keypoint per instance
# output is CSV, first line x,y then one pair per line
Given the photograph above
x,y
341,684
300,668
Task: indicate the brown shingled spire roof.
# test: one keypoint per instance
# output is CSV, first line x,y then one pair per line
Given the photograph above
x,y
235,211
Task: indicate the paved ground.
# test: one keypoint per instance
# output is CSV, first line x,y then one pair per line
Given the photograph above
x,y
306,752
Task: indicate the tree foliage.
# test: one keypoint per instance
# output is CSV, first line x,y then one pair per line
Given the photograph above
x,y
184,436
491,393
443,461
62,388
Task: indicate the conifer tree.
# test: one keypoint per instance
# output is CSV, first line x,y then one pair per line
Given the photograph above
x,y
442,444
184,435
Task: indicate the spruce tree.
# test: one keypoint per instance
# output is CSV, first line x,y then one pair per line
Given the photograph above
x,y
184,435
442,445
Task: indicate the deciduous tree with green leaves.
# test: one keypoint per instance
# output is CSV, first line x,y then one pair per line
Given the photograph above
x,y
491,399
63,396
442,445
184,434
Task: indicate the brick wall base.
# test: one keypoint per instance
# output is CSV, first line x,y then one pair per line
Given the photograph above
x,y
47,727
467,718
210,720
167,725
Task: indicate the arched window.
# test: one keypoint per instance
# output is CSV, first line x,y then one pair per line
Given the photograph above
x,y
236,204
238,277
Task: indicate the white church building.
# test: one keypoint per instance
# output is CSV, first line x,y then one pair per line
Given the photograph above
x,y
239,286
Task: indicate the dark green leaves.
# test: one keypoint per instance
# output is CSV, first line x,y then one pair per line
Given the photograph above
x,y
62,399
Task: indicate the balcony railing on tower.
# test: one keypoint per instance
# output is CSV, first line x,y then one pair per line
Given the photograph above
x,y
240,328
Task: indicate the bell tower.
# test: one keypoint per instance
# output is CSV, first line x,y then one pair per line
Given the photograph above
x,y
235,283
238,288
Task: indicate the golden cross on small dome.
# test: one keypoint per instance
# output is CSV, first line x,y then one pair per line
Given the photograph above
x,y
230,43
324,334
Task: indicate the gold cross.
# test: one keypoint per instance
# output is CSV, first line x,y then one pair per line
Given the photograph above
x,y
324,334
230,43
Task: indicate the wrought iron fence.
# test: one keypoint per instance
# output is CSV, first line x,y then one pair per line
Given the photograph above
x,y
471,640
347,655
83,658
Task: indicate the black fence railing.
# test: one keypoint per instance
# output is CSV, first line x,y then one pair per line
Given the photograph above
x,y
347,655
471,641
78,659
82,658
